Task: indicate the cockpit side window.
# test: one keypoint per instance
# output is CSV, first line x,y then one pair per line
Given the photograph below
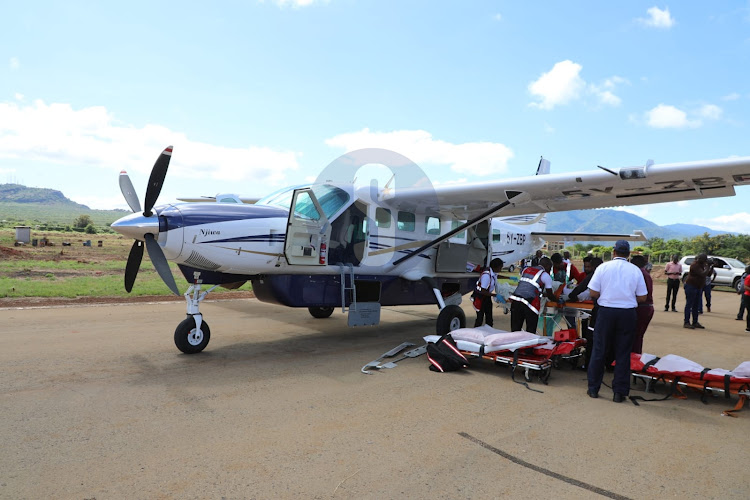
x,y
331,198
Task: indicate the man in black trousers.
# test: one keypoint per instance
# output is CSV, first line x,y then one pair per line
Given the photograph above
x,y
617,286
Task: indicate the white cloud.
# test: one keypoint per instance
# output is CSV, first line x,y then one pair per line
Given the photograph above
x,y
14,63
731,97
658,18
19,97
665,116
738,223
477,158
559,86
497,17
605,91
563,85
710,112
92,137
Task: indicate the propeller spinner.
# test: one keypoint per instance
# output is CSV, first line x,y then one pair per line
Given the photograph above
x,y
143,227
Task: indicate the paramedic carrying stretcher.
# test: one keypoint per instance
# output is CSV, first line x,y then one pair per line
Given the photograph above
x,y
534,283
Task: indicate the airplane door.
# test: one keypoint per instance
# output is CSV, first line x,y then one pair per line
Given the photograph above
x,y
308,231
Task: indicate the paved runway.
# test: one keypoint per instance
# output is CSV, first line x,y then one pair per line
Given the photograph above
x,y
96,402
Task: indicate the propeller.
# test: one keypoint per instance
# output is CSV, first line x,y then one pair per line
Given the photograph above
x,y
144,225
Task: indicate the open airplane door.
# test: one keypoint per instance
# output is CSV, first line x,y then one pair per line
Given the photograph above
x,y
308,231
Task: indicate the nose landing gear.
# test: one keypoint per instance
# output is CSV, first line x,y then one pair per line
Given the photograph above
x,y
192,334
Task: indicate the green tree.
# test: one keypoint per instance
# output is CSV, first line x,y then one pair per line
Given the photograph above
x,y
90,229
82,221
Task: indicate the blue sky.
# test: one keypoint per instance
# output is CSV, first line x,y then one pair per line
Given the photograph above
x,y
255,95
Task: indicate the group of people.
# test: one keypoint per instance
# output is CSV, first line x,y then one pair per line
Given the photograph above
x,y
623,306
697,286
622,293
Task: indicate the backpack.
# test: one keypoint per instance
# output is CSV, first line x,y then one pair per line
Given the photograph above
x,y
444,356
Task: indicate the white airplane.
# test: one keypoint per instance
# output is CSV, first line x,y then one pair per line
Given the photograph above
x,y
334,244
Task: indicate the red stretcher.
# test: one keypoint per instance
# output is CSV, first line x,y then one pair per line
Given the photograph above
x,y
533,354
680,373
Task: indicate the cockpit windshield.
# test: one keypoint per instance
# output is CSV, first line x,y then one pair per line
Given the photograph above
x,y
331,198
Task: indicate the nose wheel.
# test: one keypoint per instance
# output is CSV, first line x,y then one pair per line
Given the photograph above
x,y
191,338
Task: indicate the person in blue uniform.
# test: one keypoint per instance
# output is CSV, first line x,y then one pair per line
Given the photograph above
x,y
618,286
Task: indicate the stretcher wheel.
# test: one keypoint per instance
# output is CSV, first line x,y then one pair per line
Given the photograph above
x,y
556,362
526,375
544,376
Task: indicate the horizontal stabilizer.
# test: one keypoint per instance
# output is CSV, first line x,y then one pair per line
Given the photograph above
x,y
554,236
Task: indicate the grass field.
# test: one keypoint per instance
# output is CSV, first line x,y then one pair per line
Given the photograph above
x,y
76,270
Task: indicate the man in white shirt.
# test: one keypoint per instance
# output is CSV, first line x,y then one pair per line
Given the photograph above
x,y
618,286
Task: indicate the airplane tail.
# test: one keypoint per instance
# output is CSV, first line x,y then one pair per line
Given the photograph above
x,y
532,222
543,167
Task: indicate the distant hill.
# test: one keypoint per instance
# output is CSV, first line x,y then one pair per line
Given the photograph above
x,y
16,193
21,205
619,221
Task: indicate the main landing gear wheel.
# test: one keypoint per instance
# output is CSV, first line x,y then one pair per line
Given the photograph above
x,y
320,312
450,318
190,339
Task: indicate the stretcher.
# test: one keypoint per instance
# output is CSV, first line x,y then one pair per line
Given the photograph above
x,y
680,373
531,353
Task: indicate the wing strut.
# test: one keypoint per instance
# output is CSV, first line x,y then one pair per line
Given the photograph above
x,y
522,198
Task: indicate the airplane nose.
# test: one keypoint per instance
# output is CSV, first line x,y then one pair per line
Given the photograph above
x,y
136,226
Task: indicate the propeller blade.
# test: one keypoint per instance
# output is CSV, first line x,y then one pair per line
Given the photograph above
x,y
134,263
160,262
156,180
126,187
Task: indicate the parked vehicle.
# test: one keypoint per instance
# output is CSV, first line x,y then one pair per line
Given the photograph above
x,y
728,270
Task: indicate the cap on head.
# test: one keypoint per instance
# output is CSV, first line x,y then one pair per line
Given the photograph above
x,y
622,246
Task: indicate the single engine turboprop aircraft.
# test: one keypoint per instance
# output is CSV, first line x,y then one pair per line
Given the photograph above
x,y
333,244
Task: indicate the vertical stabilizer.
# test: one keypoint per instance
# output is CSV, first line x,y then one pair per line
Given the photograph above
x,y
543,167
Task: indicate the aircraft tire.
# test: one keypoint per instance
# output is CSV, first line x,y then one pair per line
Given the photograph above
x,y
320,312
188,340
450,318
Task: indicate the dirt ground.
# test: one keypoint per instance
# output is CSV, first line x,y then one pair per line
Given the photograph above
x,y
96,402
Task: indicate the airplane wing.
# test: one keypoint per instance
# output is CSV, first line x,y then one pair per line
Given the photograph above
x,y
580,190
556,236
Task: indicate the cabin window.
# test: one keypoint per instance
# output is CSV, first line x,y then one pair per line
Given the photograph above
x,y
432,225
496,236
382,217
406,221
462,234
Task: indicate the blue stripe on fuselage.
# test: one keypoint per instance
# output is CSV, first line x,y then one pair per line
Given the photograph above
x,y
195,214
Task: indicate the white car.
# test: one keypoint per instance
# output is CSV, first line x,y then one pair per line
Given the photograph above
x,y
728,270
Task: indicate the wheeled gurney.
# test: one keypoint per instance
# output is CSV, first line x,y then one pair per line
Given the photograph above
x,y
679,372
519,350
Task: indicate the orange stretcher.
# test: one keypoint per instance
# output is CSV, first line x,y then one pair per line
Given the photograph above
x,y
680,373
538,359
